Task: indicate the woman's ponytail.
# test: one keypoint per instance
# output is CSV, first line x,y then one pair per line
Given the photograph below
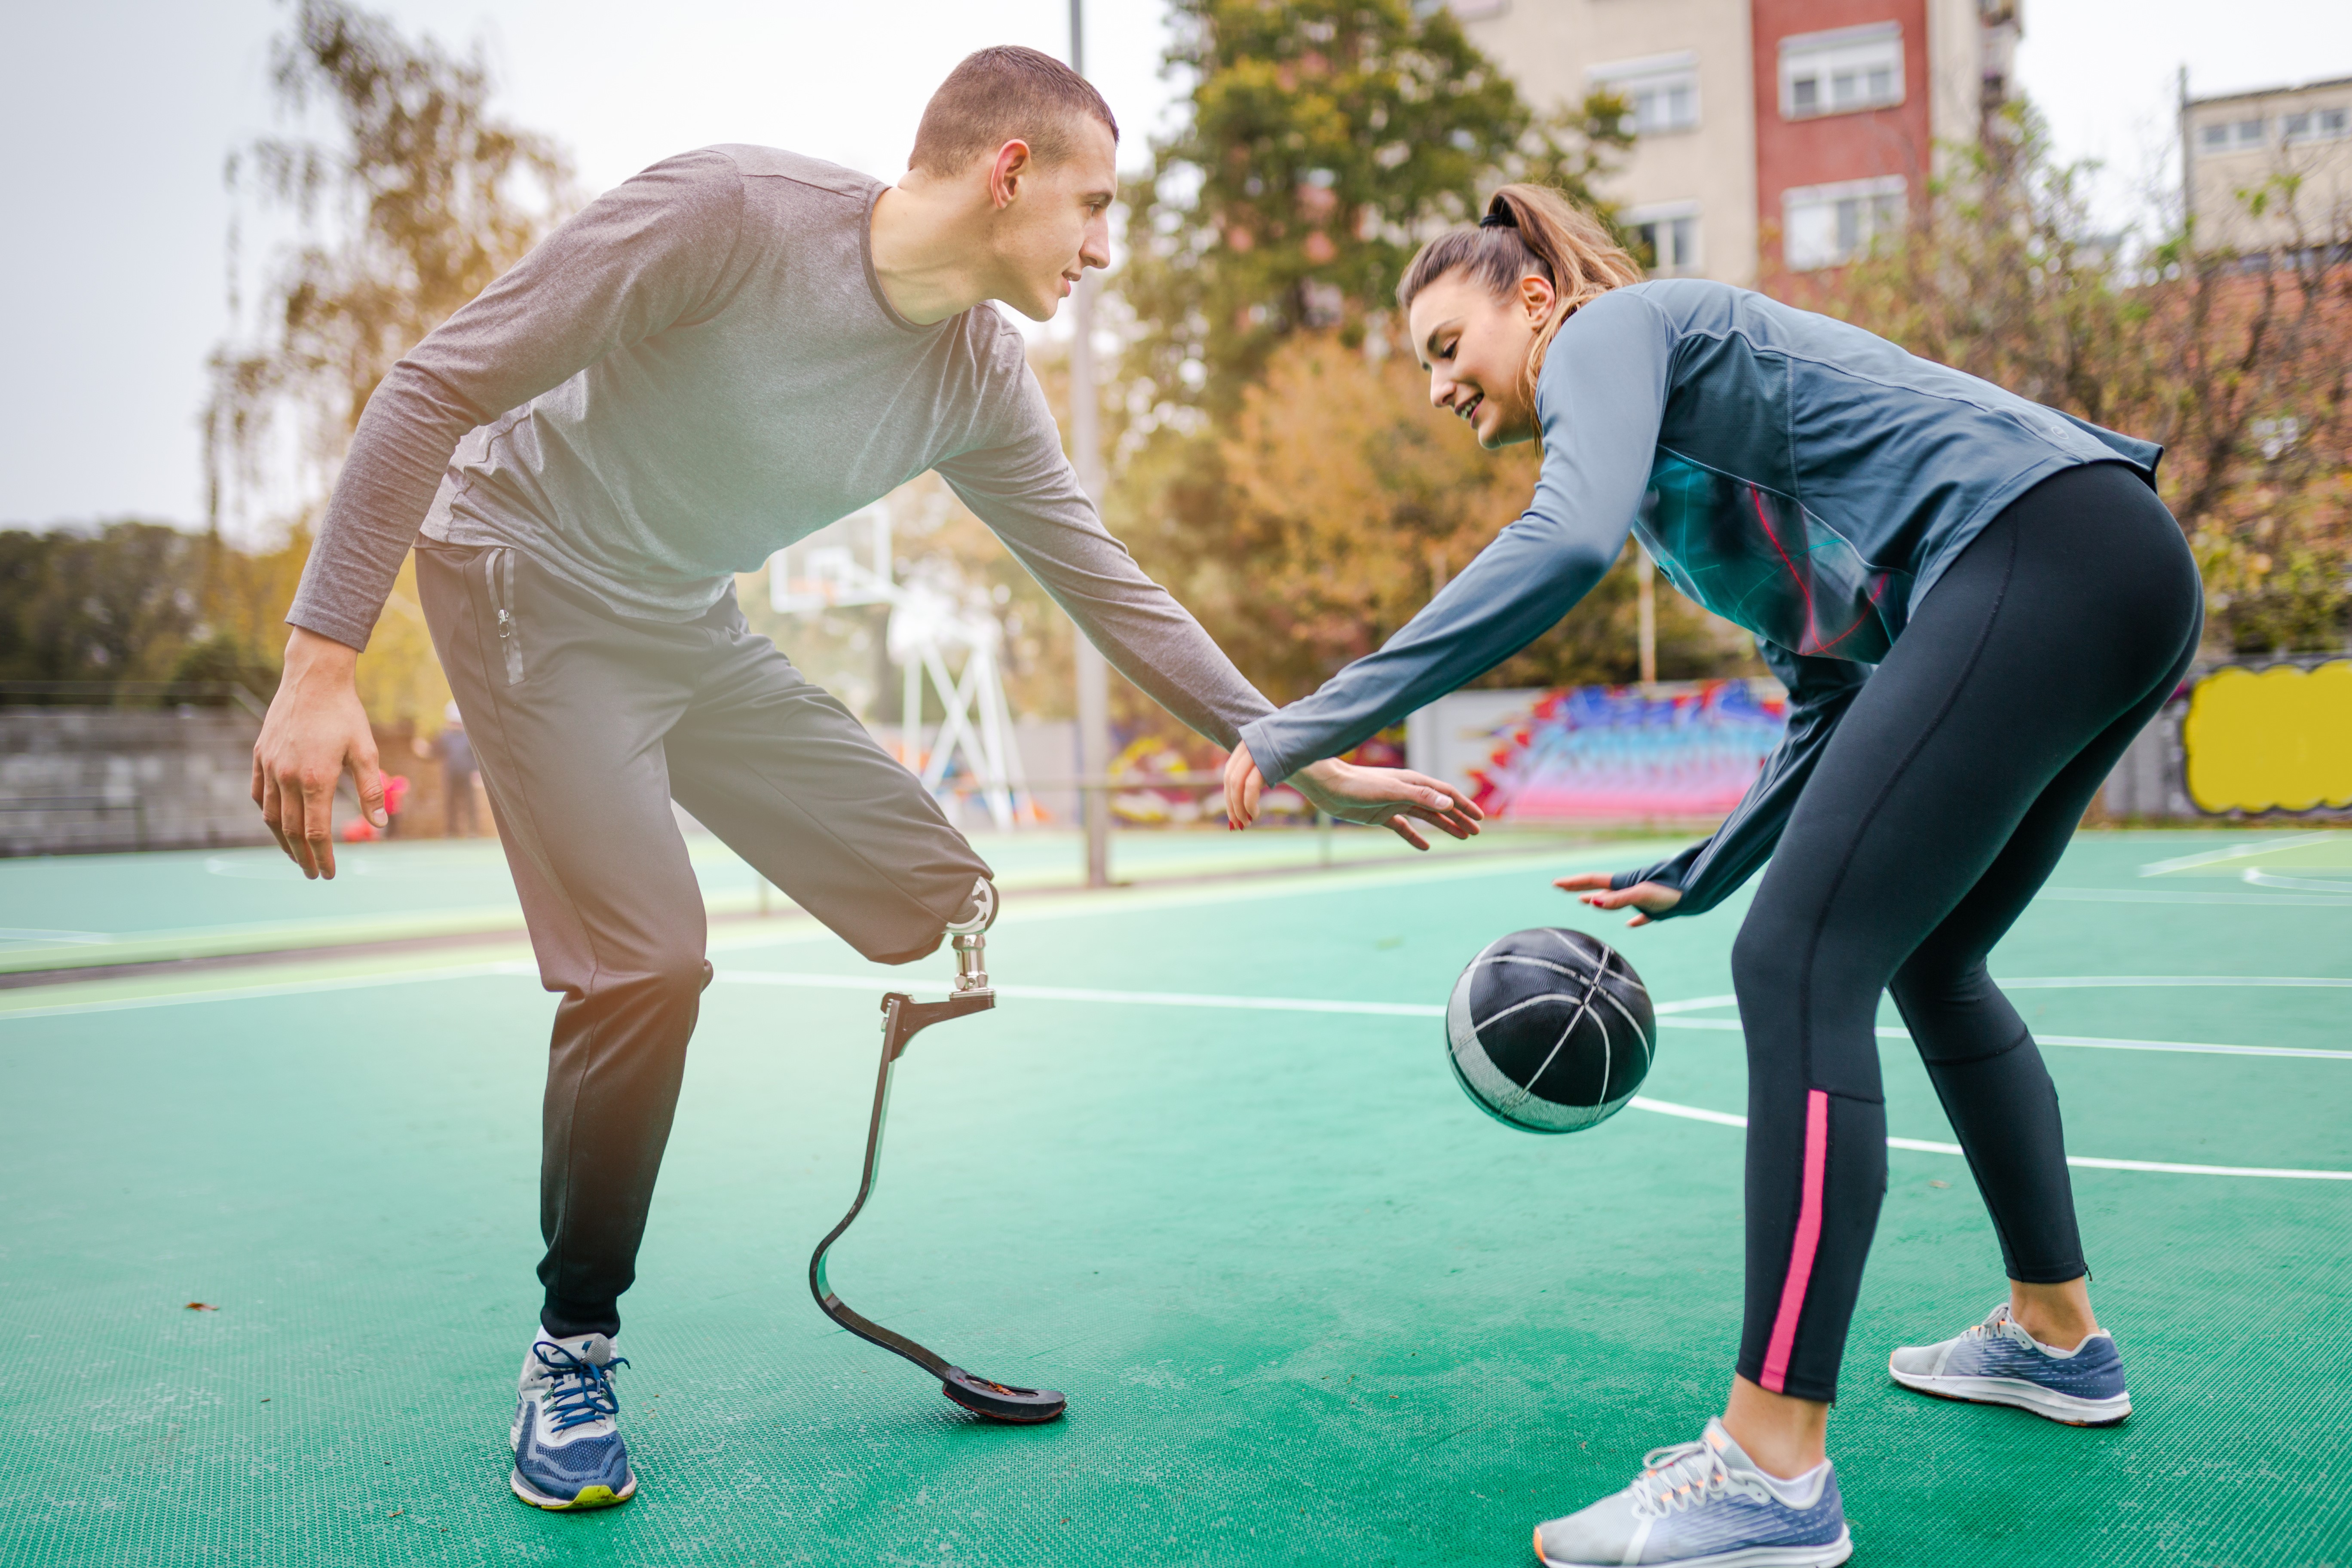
x,y
1529,230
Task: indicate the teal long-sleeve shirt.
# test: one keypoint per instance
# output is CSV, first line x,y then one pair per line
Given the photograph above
x,y
1795,475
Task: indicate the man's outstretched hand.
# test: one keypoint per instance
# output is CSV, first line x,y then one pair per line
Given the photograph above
x,y
1648,900
315,731
1394,798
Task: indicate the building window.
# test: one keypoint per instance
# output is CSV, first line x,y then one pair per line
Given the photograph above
x,y
2313,125
2214,138
1662,89
2247,132
1670,232
1828,225
1839,72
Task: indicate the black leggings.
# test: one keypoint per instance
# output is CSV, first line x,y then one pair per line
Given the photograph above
x,y
1937,809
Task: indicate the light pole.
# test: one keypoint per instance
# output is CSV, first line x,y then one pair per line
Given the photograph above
x,y
1085,443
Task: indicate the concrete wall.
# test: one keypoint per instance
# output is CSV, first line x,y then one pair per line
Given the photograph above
x,y
2147,786
79,779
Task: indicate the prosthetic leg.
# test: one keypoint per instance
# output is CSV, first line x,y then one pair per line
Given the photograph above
x,y
902,1018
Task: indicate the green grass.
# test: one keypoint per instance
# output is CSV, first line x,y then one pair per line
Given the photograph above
x,y
1309,1306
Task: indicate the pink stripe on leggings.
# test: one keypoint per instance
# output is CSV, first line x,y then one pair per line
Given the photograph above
x,y
1809,1241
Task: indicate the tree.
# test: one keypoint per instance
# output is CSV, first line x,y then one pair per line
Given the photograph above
x,y
1327,140
1354,501
2238,362
420,199
116,602
1281,470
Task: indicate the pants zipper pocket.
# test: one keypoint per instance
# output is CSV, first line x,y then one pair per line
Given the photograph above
x,y
499,572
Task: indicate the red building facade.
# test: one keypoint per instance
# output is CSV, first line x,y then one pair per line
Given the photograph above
x,y
1844,138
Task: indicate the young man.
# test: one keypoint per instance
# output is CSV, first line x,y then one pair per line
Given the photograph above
x,y
722,355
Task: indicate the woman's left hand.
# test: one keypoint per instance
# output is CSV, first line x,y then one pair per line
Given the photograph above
x,y
1394,798
1648,900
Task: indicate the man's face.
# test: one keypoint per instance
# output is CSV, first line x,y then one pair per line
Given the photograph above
x,y
1056,222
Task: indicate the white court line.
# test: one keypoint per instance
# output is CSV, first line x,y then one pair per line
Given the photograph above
x,y
2098,983
46,937
2133,982
274,988
2145,896
2093,1041
2234,852
1923,1146
1079,994
1134,998
2259,878
1151,998
1692,1005
1423,1010
1666,1011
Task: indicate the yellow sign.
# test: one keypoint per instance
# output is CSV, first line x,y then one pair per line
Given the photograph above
x,y
2279,740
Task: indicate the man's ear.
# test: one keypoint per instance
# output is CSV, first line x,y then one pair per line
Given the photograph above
x,y
1539,296
1013,165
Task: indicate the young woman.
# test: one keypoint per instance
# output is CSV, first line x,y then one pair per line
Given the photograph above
x,y
1976,603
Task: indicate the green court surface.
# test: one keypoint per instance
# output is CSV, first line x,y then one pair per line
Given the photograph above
x,y
1206,1170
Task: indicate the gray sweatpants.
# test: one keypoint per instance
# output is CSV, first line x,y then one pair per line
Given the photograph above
x,y
586,726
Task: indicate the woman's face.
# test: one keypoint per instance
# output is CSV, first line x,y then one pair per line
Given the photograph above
x,y
1474,346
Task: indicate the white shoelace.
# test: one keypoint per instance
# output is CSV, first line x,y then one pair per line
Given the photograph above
x,y
1995,1322
1690,1474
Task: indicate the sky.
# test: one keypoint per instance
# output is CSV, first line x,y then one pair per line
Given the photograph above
x,y
117,116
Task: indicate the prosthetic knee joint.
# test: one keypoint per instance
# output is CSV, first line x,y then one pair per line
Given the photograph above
x,y
970,936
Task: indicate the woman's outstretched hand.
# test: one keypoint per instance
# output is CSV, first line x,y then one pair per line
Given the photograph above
x,y
1394,798
1648,900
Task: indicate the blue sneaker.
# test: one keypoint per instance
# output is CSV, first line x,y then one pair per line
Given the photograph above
x,y
1706,1505
1996,1362
568,1451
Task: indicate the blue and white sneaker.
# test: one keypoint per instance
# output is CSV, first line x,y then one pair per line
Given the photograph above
x,y
1996,1362
568,1451
1706,1505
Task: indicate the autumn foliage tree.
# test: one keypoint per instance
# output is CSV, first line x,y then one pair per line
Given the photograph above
x,y
1353,502
1326,140
418,197
1283,471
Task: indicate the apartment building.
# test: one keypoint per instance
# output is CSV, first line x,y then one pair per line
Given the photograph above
x,y
2269,169
1773,137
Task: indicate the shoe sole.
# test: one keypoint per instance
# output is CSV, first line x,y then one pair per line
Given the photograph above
x,y
2066,1409
1828,1555
590,1497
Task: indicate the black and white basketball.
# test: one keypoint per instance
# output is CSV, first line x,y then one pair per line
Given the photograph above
x,y
1550,1030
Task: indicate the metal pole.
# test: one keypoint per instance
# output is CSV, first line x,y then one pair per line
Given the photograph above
x,y
1645,604
1085,443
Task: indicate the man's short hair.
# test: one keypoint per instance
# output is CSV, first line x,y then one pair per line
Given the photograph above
x,y
1001,95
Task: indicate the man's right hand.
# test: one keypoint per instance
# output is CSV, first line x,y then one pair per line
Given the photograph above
x,y
316,729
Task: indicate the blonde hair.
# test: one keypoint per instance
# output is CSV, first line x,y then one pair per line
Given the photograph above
x,y
1528,231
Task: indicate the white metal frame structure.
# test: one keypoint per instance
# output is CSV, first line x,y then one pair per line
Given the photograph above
x,y
929,623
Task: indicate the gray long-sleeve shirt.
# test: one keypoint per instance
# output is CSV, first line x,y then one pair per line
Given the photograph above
x,y
699,368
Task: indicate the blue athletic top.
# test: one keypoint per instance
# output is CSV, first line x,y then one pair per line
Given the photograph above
x,y
1796,475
